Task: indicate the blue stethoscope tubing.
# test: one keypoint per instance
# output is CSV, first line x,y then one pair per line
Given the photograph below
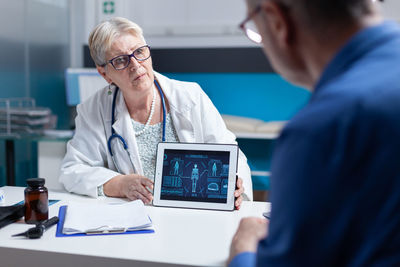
x,y
119,137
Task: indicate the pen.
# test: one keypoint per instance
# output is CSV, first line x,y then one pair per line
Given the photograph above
x,y
38,230
267,215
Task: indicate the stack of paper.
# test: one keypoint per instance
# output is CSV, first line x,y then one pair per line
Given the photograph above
x,y
25,120
106,218
238,124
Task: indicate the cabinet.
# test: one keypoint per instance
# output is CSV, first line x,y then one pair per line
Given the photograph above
x,y
256,139
176,23
50,156
258,152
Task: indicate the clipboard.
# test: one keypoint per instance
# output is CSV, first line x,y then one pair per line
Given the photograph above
x,y
60,225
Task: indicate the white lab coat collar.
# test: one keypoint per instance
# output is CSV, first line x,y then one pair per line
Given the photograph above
x,y
181,105
123,127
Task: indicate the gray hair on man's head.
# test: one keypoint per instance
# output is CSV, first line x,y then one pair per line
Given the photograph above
x,y
319,14
103,35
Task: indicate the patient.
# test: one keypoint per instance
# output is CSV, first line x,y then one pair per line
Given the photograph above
x,y
137,110
336,166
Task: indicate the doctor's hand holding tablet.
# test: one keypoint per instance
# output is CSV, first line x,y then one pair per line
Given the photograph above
x,y
114,149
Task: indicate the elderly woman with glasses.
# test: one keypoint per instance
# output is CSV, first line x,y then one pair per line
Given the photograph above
x,y
113,150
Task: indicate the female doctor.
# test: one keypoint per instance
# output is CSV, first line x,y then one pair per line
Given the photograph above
x,y
113,150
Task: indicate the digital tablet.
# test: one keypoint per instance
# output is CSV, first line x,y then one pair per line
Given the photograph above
x,y
201,176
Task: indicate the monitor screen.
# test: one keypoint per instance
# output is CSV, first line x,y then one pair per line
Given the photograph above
x,y
81,84
196,175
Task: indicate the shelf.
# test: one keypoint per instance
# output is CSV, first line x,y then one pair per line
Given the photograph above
x,y
250,135
260,173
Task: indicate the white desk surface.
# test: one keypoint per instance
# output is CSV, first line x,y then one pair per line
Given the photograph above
x,y
183,237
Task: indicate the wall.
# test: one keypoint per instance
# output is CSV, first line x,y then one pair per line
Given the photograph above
x,y
166,24
187,25
182,24
34,42
40,38
178,23
391,9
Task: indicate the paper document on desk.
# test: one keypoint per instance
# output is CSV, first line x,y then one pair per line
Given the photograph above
x,y
105,218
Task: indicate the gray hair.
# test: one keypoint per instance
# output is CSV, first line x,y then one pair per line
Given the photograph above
x,y
103,35
319,14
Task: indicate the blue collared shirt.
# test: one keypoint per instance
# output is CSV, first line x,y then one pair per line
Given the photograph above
x,y
336,166
244,259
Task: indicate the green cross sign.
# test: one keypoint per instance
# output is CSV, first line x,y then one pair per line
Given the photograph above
x,y
108,7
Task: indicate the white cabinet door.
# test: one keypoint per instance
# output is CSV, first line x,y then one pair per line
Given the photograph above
x,y
50,155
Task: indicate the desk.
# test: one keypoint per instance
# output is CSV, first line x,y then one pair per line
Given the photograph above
x,y
182,237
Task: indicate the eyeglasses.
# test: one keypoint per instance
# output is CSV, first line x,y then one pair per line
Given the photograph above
x,y
122,61
249,27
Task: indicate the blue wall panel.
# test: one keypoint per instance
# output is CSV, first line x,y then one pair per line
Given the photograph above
x,y
264,96
48,89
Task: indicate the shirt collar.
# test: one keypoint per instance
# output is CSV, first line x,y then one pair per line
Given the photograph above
x,y
360,44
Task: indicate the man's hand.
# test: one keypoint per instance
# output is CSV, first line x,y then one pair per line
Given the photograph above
x,y
238,193
132,186
251,230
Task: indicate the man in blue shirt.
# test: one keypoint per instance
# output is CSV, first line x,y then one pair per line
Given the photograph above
x,y
335,185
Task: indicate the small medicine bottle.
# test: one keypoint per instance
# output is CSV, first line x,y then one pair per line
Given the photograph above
x,y
36,201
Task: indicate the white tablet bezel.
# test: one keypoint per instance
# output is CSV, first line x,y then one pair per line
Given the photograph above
x,y
233,159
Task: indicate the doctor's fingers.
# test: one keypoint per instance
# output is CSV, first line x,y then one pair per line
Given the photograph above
x,y
239,188
146,182
239,183
135,194
139,179
238,202
142,189
239,192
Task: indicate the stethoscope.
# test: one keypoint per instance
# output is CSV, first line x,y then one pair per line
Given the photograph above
x,y
119,137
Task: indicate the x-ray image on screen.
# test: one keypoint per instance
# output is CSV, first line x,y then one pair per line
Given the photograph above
x,y
195,175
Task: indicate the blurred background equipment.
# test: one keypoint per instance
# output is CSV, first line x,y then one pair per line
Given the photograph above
x,y
21,116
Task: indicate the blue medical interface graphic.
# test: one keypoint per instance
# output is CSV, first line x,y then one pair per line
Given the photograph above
x,y
195,175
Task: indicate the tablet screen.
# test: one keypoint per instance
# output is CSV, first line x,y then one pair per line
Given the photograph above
x,y
194,175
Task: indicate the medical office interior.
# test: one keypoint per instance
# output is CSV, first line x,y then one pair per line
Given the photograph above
x,y
46,70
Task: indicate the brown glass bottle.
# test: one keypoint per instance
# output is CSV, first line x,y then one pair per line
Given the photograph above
x,y
36,201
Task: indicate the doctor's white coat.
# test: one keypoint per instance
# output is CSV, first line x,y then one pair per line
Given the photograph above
x,y
88,164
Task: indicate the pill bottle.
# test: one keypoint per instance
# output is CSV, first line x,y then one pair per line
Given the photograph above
x,y
36,201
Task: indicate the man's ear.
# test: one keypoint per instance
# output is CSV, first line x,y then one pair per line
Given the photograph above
x,y
279,23
102,72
